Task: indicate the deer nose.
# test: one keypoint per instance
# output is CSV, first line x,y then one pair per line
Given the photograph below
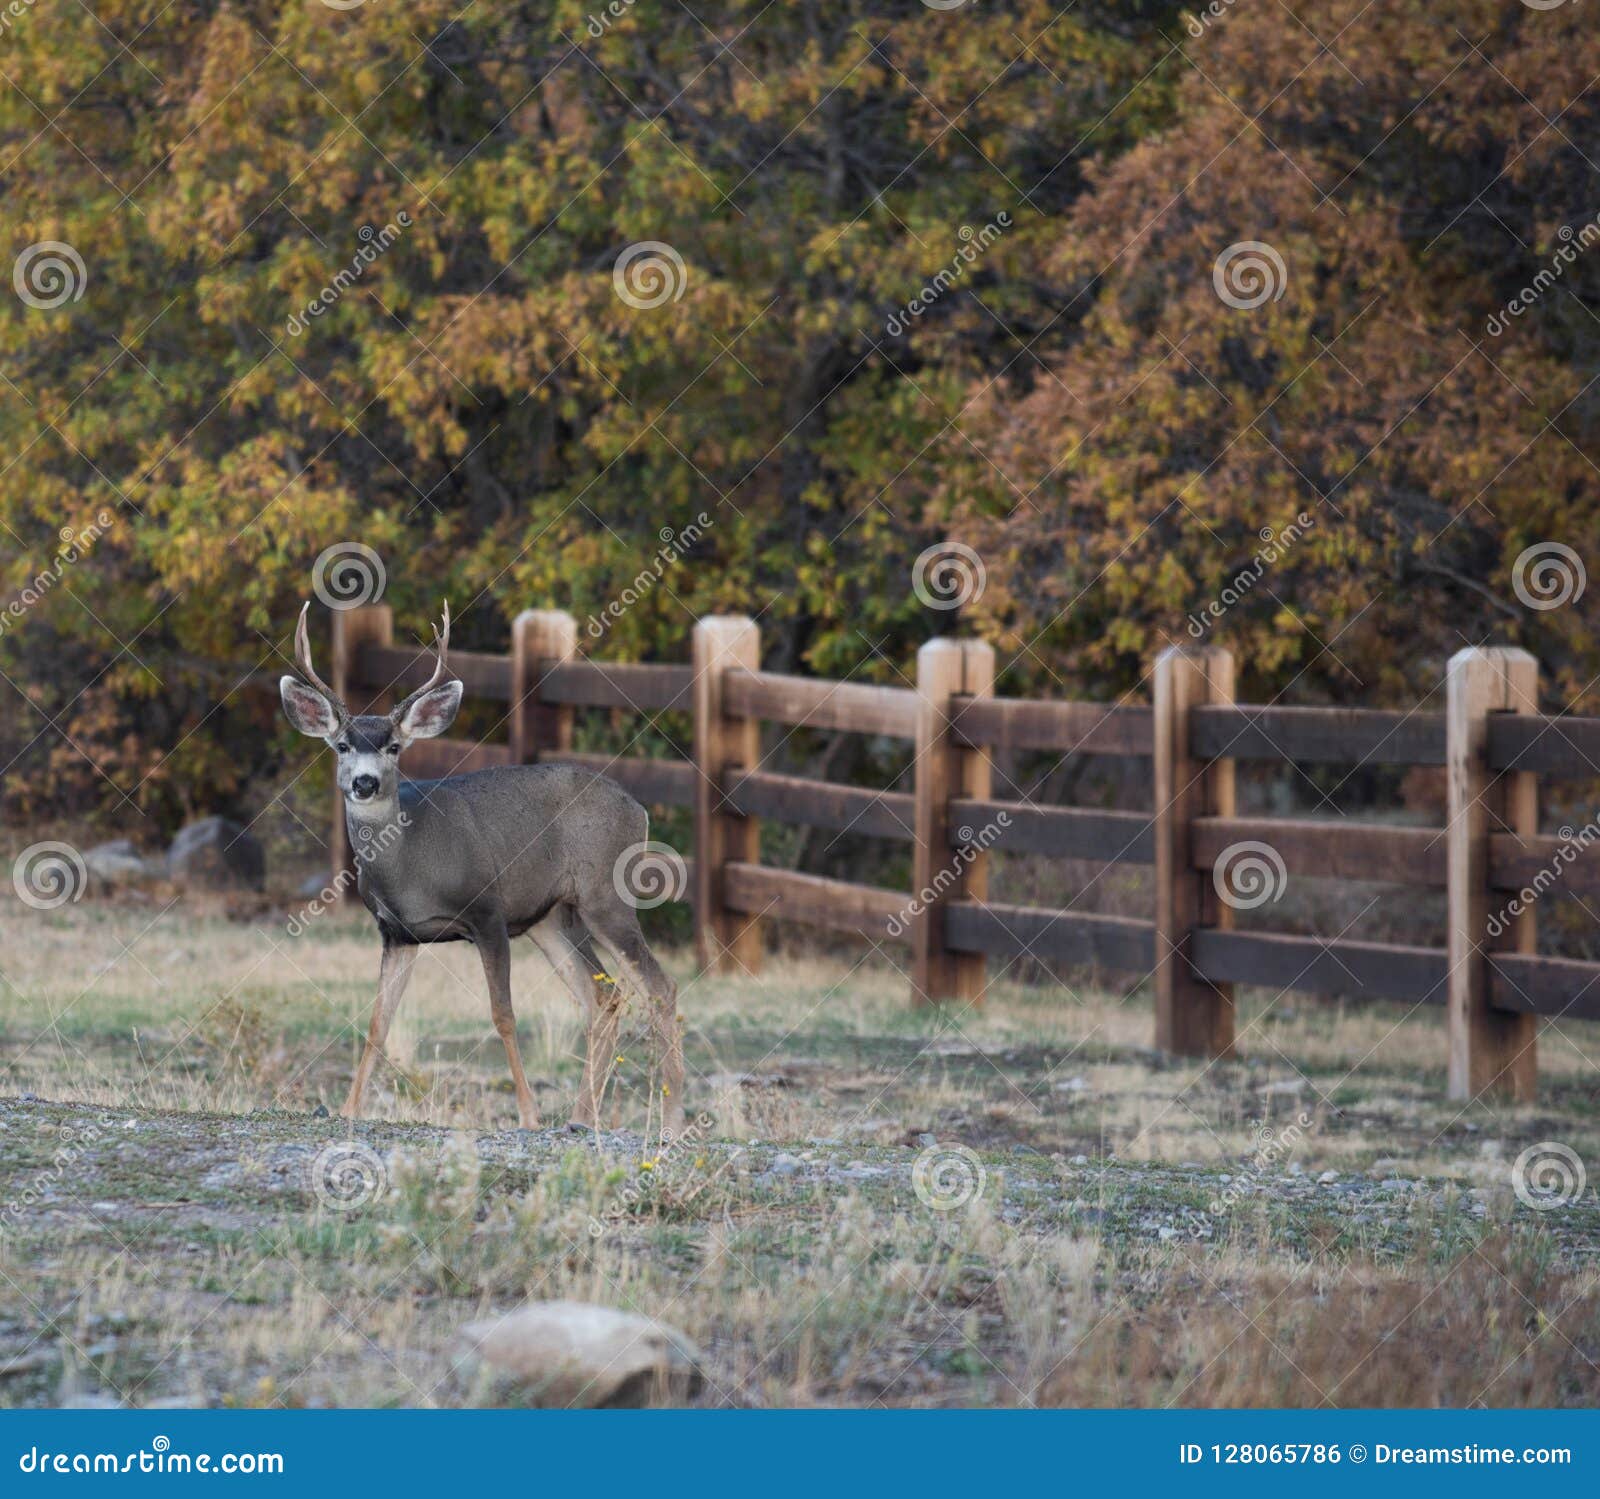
x,y
364,786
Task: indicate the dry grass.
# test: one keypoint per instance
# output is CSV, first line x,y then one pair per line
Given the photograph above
x,y
166,1245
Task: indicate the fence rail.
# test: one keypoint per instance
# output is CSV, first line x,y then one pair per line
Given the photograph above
x,y
1492,740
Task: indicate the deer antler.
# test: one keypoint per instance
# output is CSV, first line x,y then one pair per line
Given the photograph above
x,y
441,646
302,656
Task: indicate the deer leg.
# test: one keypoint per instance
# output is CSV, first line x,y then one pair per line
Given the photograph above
x,y
564,941
393,975
494,948
616,925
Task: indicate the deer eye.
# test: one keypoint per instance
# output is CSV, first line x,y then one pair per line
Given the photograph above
x,y
344,749
391,749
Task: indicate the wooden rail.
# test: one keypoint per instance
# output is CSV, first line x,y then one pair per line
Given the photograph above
x,y
1355,736
815,804
1087,728
808,703
1488,860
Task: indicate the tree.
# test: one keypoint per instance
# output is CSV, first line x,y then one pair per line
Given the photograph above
x,y
364,275
1292,300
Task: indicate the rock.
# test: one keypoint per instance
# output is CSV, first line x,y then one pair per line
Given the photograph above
x,y
217,854
1079,1160
784,1164
117,863
1070,1085
571,1354
1327,1177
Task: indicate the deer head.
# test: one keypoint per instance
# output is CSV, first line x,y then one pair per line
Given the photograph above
x,y
368,745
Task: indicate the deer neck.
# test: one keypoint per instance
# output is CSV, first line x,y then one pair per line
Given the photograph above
x,y
376,828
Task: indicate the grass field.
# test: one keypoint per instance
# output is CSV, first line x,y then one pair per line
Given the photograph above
x,y
1022,1205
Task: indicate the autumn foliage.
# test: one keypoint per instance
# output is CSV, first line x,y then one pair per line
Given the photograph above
x,y
474,400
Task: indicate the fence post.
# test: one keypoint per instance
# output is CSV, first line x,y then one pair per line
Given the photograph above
x,y
726,941
1193,1017
1491,1051
536,728
943,769
367,624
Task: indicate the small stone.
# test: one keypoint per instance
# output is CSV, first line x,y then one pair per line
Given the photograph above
x,y
784,1164
117,863
570,1353
217,853
1327,1177
1079,1160
320,1112
1168,1234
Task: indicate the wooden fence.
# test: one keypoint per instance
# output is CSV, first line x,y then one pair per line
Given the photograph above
x,y
1491,739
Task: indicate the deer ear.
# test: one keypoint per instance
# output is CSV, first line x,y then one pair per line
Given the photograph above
x,y
308,710
432,713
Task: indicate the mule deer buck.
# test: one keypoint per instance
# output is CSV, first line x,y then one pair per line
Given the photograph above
x,y
482,858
